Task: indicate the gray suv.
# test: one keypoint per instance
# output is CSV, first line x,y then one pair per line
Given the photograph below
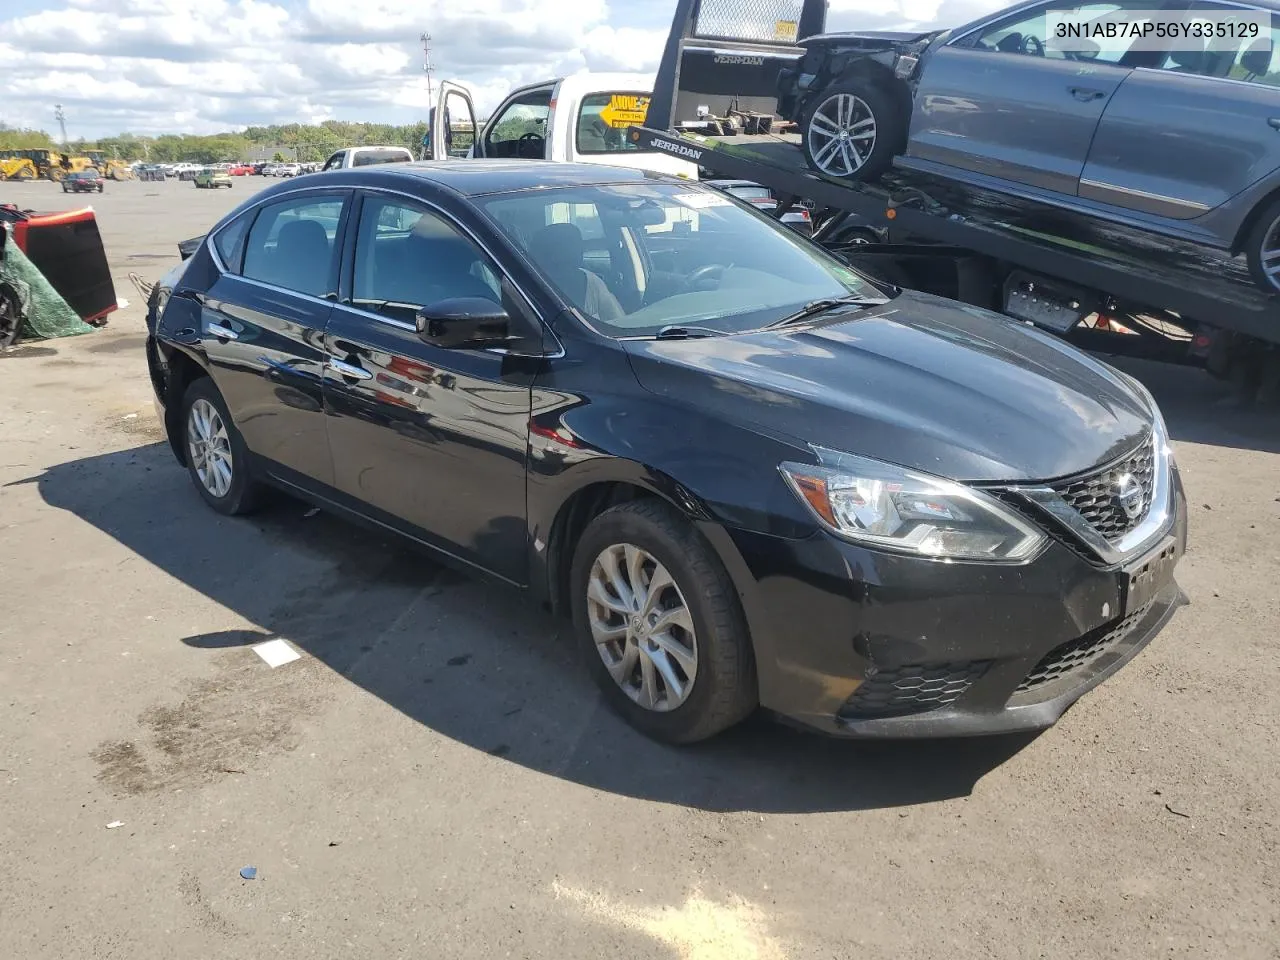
x,y
1181,142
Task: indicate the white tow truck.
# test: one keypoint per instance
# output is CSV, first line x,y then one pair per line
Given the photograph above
x,y
577,119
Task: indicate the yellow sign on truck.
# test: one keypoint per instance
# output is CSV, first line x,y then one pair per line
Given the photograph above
x,y
625,110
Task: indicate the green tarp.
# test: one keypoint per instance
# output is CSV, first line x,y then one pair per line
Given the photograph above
x,y
47,314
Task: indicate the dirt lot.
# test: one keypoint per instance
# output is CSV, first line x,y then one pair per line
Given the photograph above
x,y
436,778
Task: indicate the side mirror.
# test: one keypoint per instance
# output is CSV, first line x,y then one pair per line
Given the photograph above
x,y
464,323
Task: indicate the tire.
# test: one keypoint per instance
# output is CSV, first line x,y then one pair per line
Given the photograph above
x,y
869,100
723,684
65,188
242,494
1264,234
100,186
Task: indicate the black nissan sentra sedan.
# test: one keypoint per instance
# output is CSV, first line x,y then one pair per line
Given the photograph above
x,y
750,476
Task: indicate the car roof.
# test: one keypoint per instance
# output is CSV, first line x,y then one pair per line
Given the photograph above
x,y
477,177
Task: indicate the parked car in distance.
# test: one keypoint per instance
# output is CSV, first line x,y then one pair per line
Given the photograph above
x,y
211,177
83,181
1172,137
798,219
350,157
288,170
748,474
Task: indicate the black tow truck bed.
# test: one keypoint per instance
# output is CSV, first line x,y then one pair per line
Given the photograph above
x,y
1053,268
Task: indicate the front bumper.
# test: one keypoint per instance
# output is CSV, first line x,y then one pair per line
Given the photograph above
x,y
865,644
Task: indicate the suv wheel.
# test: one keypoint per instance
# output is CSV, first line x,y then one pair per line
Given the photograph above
x,y
659,624
216,456
853,131
1262,247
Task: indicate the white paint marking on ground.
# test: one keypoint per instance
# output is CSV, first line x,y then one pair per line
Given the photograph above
x,y
276,653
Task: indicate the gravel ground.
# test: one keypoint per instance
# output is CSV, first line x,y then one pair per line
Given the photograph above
x,y
436,777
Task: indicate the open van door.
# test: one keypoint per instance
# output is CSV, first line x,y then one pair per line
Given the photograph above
x,y
454,134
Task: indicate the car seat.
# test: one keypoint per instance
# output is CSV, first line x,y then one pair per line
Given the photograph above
x,y
302,256
559,249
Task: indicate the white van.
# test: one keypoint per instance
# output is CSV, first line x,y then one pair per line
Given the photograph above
x,y
578,119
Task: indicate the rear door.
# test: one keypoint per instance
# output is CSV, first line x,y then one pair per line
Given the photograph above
x,y
1001,101
1185,135
262,327
434,440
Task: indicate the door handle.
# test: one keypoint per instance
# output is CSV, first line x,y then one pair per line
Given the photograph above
x,y
1274,123
350,369
1085,93
221,332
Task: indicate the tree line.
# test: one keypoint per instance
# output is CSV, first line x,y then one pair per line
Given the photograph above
x,y
304,143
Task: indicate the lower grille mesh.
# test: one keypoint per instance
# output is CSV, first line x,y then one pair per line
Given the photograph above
x,y
1077,654
915,688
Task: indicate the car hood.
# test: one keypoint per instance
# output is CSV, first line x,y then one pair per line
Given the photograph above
x,y
922,382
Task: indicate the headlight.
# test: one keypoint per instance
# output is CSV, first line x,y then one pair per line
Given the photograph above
x,y
885,506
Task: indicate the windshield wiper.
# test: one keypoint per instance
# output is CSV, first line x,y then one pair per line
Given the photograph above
x,y
677,332
817,307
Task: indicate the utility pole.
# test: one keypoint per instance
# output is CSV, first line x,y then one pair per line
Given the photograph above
x,y
427,68
62,122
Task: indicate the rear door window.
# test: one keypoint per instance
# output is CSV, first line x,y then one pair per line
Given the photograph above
x,y
603,120
292,244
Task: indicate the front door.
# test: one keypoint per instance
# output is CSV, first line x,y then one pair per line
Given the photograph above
x,y
1003,101
435,440
262,326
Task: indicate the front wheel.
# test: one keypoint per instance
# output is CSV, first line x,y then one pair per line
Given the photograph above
x,y
216,456
853,131
1262,247
659,624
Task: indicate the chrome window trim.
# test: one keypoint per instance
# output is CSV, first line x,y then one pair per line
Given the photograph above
x,y
1153,526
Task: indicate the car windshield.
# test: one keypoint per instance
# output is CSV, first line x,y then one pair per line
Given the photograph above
x,y
637,258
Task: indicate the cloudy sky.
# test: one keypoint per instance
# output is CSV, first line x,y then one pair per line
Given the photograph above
x,y
201,66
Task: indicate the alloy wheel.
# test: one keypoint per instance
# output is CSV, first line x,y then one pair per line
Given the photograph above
x,y
1269,255
842,134
642,627
210,448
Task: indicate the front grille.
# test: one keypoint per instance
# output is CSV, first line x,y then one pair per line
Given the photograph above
x,y
1096,497
1075,655
915,688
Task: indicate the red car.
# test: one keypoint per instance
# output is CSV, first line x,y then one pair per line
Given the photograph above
x,y
83,181
240,170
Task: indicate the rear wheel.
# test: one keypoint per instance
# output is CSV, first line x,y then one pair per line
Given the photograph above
x,y
1262,247
853,131
216,456
659,624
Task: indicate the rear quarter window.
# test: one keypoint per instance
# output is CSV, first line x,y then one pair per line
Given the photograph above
x,y
229,242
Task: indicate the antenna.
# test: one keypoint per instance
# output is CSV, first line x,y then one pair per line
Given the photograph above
x,y
426,66
62,122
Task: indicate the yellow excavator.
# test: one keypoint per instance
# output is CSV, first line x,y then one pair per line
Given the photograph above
x,y
48,164
17,168
111,169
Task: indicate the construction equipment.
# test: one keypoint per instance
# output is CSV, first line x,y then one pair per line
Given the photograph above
x,y
110,168
50,164
17,168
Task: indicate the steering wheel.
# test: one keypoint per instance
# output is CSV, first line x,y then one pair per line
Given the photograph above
x,y
704,273
531,137
1032,45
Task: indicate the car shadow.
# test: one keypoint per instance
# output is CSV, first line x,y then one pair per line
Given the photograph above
x,y
1201,409
473,661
